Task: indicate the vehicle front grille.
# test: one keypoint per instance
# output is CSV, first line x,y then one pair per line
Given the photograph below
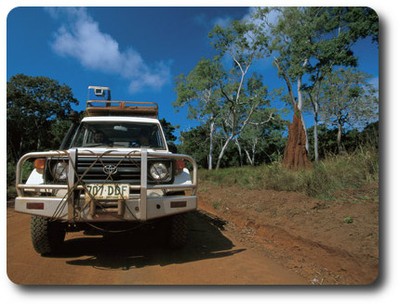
x,y
92,170
108,169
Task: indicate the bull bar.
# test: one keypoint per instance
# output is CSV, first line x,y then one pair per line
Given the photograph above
x,y
73,213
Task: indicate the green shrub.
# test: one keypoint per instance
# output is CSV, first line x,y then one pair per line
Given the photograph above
x,y
324,179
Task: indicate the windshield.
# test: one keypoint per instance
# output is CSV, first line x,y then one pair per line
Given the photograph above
x,y
118,134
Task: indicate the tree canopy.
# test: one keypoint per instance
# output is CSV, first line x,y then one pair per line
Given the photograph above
x,y
37,113
309,45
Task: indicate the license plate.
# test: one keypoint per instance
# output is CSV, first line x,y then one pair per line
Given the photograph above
x,y
107,191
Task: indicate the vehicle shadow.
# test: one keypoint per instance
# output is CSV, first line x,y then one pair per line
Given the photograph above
x,y
147,247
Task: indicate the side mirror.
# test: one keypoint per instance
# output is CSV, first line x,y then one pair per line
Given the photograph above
x,y
172,147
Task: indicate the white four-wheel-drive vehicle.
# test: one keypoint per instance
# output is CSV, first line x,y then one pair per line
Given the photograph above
x,y
114,171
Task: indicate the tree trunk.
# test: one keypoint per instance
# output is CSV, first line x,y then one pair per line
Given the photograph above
x,y
210,152
239,151
249,157
253,151
221,154
316,154
315,107
339,139
295,156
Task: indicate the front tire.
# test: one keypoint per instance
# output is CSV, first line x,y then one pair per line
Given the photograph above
x,y
47,236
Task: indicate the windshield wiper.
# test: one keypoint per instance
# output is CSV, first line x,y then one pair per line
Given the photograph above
x,y
96,145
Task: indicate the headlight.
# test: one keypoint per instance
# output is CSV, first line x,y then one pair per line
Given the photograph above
x,y
158,171
60,171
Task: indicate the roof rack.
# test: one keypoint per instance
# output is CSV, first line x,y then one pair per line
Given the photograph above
x,y
121,108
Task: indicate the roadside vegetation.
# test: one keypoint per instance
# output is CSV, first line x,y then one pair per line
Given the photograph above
x,y
324,179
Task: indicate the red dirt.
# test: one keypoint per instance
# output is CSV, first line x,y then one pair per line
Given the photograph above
x,y
324,241
212,257
239,236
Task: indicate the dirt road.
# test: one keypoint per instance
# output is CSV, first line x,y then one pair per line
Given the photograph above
x,y
328,242
212,257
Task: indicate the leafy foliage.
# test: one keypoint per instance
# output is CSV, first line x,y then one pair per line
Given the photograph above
x,y
311,46
37,112
169,130
353,140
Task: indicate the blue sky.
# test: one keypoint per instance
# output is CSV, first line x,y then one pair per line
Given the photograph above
x,y
136,51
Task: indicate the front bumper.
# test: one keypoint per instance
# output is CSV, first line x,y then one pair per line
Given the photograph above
x,y
127,210
68,202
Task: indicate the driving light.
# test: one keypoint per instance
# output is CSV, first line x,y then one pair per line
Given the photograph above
x,y
60,171
179,166
39,163
158,171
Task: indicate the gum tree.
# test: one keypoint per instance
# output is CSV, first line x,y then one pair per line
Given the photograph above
x,y
349,99
200,91
243,93
308,43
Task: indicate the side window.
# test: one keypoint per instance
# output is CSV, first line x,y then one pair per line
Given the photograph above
x,y
156,137
89,136
78,137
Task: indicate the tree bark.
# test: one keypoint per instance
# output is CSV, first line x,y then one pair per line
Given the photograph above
x,y
239,151
221,153
339,139
316,154
210,152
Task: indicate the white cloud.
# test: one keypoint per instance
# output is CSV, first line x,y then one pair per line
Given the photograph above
x,y
271,17
81,38
150,79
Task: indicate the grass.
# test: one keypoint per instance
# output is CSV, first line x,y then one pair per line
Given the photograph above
x,y
323,180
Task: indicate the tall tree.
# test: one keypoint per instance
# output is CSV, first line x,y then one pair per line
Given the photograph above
x,y
308,43
201,91
349,99
292,40
33,105
336,30
243,93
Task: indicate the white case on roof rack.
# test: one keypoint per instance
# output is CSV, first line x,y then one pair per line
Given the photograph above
x,y
99,93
